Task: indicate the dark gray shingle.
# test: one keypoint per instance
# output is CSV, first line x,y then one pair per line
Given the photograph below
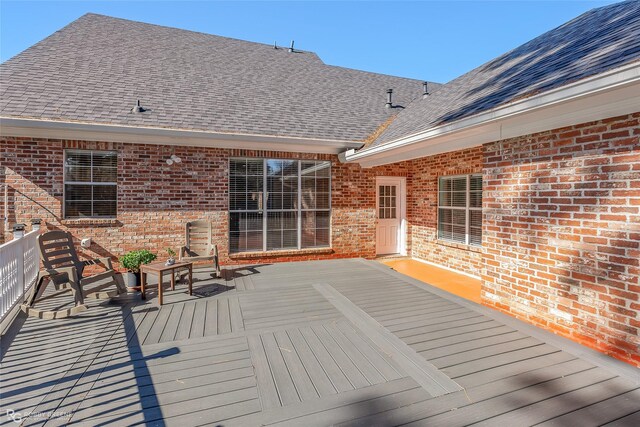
x,y
94,69
594,42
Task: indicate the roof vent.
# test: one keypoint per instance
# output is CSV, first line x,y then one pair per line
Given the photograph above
x,y
291,47
389,104
425,89
138,108
275,45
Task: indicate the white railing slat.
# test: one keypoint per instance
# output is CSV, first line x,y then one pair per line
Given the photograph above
x,y
19,265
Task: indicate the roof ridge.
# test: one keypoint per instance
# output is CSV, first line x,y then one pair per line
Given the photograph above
x,y
99,15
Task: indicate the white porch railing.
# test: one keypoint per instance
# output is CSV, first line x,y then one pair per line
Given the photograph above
x,y
19,265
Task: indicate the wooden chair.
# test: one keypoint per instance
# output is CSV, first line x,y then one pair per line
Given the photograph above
x,y
63,267
199,244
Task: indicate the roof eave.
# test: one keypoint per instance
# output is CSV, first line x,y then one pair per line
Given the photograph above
x,y
608,94
36,128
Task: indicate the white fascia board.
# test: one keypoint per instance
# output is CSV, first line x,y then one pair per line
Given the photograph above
x,y
605,95
34,128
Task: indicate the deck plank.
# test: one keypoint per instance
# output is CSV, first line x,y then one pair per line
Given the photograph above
x,y
186,319
267,390
318,334
301,379
211,318
281,375
333,371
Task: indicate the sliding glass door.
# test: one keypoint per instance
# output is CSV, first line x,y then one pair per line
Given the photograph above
x,y
279,204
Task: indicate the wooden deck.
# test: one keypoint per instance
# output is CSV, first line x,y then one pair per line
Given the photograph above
x,y
345,342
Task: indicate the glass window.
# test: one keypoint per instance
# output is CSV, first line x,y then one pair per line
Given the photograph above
x,y
288,201
460,209
90,184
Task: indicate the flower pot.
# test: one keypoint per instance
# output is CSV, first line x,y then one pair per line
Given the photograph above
x,y
170,261
131,280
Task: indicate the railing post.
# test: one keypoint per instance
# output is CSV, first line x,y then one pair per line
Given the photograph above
x,y
18,231
35,224
18,234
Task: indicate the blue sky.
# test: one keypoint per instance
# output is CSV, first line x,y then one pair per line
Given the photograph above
x,y
430,40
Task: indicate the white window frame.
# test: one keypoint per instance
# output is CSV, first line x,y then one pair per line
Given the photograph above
x,y
92,183
467,208
265,211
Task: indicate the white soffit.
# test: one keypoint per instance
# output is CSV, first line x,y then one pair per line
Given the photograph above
x,y
34,128
609,94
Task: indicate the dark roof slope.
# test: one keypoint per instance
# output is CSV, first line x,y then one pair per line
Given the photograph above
x,y
594,42
95,69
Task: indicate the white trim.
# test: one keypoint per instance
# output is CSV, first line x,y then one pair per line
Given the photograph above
x,y
19,127
453,270
608,94
401,182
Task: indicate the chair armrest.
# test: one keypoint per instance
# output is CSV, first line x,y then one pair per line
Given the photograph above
x,y
71,271
181,252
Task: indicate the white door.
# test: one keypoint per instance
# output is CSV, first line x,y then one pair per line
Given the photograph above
x,y
389,215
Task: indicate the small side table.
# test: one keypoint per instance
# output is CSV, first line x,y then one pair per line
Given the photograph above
x,y
161,268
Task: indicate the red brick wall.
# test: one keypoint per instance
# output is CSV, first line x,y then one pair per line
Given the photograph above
x,y
155,200
422,202
562,232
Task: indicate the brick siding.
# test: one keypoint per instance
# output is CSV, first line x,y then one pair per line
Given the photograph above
x,y
155,200
562,232
561,223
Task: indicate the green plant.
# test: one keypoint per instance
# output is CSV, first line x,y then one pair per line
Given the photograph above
x,y
171,253
134,259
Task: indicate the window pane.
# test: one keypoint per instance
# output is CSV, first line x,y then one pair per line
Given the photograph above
x,y
459,184
105,174
475,183
78,158
78,174
445,184
104,192
444,216
105,160
78,192
104,208
245,231
475,218
78,209
315,229
282,230
274,184
459,199
444,199
475,199
322,184
458,217
459,234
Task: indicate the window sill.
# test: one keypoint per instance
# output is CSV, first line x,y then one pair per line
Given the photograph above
x,y
91,222
274,254
463,246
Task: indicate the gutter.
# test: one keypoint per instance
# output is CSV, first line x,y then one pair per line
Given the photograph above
x,y
36,128
489,122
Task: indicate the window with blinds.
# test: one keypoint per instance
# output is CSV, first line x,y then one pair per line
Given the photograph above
x,y
279,204
460,209
90,184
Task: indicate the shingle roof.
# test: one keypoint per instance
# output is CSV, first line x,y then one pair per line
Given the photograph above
x,y
594,42
94,70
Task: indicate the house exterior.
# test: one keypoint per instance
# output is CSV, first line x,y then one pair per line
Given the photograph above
x,y
524,172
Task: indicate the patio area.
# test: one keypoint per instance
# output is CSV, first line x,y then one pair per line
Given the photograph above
x,y
342,342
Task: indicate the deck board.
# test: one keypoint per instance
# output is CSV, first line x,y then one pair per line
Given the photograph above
x,y
344,342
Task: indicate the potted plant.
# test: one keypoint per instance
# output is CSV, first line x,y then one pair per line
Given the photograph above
x,y
132,261
172,257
